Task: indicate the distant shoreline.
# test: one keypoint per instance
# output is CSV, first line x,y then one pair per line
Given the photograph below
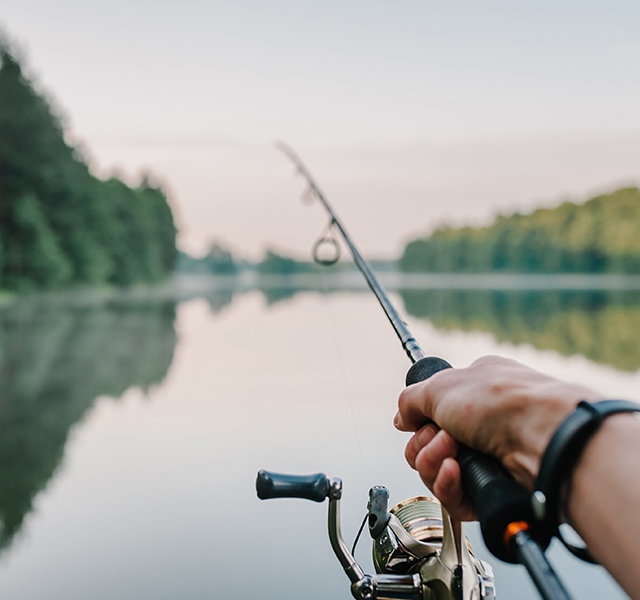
x,y
397,280
183,287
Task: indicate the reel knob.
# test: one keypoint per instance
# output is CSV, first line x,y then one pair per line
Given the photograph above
x,y
282,485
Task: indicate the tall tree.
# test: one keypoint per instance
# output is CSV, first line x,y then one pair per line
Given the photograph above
x,y
58,224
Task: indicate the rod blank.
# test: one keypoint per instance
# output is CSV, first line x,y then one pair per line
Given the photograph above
x,y
409,343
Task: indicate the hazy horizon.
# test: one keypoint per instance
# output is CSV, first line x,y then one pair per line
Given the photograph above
x,y
409,116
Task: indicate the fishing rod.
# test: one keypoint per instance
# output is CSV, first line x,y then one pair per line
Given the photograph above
x,y
419,551
411,347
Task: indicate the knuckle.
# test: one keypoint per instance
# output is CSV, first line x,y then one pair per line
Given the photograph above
x,y
450,445
425,465
410,453
490,360
406,396
403,399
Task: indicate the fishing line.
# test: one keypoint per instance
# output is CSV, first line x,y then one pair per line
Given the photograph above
x,y
323,277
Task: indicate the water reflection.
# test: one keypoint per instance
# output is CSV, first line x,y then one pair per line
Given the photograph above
x,y
218,300
55,360
136,512
600,325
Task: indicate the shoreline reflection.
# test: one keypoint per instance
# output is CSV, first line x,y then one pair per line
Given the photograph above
x,y
600,325
55,361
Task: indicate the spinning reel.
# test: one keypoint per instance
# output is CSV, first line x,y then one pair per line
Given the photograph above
x,y
418,552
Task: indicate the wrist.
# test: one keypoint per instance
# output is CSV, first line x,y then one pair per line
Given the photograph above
x,y
551,407
564,455
592,469
602,498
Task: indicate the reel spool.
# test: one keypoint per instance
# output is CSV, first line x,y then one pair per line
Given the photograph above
x,y
418,539
421,518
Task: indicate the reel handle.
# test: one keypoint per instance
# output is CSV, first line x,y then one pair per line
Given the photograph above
x,y
281,485
499,499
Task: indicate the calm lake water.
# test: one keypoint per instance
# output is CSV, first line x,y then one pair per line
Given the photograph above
x,y
132,430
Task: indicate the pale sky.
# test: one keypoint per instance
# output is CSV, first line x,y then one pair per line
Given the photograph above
x,y
409,113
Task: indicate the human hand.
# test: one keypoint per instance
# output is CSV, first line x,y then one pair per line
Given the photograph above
x,y
497,406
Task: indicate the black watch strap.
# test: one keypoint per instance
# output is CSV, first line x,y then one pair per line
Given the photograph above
x,y
562,454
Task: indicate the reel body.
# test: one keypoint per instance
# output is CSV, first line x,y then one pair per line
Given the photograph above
x,y
419,539
418,552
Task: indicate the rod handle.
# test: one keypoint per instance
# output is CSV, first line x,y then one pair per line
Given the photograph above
x,y
499,499
282,485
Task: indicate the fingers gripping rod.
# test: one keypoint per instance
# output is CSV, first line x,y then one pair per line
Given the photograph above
x,y
499,500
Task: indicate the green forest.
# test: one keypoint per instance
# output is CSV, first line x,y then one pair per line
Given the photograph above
x,y
60,225
600,236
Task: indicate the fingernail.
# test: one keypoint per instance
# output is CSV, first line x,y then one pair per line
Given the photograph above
x,y
426,435
444,446
397,422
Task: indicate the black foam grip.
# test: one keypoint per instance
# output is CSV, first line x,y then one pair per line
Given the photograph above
x,y
425,368
498,499
281,485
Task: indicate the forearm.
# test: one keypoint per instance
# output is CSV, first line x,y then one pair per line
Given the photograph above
x,y
603,499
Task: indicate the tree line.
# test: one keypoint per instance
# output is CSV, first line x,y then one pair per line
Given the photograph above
x,y
600,236
219,260
60,225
